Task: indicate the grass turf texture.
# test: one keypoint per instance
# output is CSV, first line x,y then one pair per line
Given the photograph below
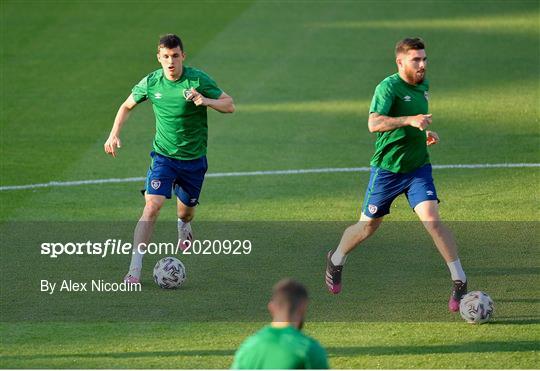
x,y
302,76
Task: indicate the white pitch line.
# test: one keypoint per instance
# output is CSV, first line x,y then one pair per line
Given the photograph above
x,y
256,173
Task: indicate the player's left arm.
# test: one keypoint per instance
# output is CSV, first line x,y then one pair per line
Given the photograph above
x,y
224,103
431,137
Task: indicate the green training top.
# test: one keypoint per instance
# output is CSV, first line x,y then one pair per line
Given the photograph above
x,y
404,149
280,348
181,126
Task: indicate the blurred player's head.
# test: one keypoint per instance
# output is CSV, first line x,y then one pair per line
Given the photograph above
x,y
411,60
288,303
170,54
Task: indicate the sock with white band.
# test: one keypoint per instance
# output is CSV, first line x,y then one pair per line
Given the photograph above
x,y
338,258
456,271
183,228
136,263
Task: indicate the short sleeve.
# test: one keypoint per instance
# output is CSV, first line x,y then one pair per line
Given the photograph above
x,y
239,357
382,99
236,362
140,91
317,358
208,87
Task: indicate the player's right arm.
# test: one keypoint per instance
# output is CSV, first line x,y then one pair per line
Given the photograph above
x,y
381,105
378,123
113,142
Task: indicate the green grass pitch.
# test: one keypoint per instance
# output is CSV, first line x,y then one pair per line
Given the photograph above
x,y
302,74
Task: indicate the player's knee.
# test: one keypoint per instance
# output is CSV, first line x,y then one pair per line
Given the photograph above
x,y
185,213
433,226
366,227
151,210
185,216
428,211
370,226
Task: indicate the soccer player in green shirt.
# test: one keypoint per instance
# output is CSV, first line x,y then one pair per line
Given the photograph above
x,y
180,96
399,115
281,345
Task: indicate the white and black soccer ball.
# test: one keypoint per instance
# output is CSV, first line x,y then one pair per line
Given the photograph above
x,y
476,307
169,273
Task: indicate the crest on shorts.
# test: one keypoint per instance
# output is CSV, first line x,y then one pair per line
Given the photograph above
x,y
372,209
426,95
155,183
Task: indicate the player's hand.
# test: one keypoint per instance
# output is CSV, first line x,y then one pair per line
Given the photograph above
x,y
419,121
432,137
198,98
112,143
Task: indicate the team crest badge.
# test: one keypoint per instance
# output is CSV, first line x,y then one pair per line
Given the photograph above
x,y
372,209
155,183
426,95
186,93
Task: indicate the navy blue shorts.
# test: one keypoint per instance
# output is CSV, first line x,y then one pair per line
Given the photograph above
x,y
184,176
384,186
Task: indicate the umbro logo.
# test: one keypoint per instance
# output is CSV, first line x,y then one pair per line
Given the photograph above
x,y
429,193
157,95
407,98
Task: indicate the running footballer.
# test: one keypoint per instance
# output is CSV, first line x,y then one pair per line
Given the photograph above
x,y
400,118
180,96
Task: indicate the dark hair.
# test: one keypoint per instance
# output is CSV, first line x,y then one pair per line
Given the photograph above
x,y
410,43
170,41
290,294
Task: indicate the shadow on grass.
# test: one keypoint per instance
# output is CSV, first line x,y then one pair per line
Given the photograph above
x,y
519,300
179,353
478,347
528,320
505,271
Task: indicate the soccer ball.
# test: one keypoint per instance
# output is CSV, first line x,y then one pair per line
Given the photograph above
x,y
169,273
476,307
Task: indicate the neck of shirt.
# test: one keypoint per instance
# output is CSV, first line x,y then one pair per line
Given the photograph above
x,y
282,325
179,77
405,81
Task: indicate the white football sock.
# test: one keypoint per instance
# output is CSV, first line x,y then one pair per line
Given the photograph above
x,y
338,258
136,263
183,229
457,271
